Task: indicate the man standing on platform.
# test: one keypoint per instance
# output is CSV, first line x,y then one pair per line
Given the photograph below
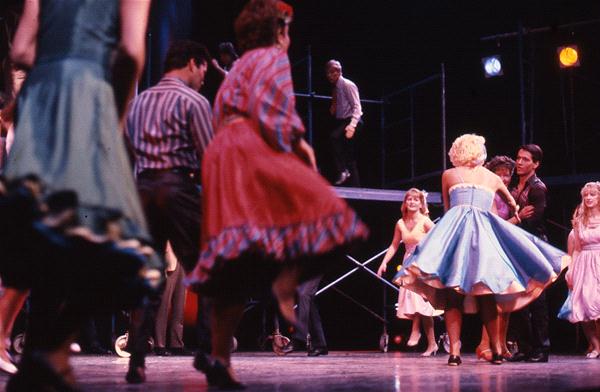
x,y
531,323
168,128
347,111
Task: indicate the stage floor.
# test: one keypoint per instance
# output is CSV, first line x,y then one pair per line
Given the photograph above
x,y
348,371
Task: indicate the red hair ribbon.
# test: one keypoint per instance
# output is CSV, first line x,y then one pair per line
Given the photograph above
x,y
286,9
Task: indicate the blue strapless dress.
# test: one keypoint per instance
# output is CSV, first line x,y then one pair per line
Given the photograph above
x,y
475,252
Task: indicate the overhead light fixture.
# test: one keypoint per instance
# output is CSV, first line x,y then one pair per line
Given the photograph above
x,y
492,66
568,56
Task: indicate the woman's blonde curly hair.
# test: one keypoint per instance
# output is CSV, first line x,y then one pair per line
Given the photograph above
x,y
581,215
468,150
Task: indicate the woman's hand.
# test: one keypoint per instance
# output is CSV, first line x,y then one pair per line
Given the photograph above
x,y
305,152
382,269
515,208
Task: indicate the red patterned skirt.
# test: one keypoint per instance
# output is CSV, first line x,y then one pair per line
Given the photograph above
x,y
266,204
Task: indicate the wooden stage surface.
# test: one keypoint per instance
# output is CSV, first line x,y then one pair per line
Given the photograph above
x,y
348,371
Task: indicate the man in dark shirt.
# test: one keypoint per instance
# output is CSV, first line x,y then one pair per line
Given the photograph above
x,y
530,324
168,128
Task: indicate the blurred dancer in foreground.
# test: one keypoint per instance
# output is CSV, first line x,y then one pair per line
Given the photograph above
x,y
269,219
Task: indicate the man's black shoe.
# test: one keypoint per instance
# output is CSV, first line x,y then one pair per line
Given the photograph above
x,y
181,352
538,358
519,357
315,352
162,352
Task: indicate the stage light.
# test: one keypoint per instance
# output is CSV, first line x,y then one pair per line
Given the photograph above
x,y
568,56
492,66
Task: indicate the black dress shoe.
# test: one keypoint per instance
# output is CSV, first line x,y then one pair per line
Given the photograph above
x,y
136,374
497,359
36,374
540,357
218,375
162,352
519,357
315,352
97,350
181,351
454,360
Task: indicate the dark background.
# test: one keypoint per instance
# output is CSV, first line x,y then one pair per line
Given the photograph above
x,y
385,46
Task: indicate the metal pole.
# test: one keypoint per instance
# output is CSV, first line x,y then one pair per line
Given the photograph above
x,y
444,163
521,82
565,121
310,99
412,134
382,130
531,87
349,272
572,109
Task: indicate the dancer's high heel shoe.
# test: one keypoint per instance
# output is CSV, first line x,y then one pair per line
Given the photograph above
x,y
485,354
592,355
454,360
413,343
431,352
497,359
36,374
6,365
220,376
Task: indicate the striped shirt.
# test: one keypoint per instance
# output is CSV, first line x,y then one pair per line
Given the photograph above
x,y
169,126
260,87
347,101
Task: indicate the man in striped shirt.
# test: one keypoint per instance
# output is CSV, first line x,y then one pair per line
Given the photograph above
x,y
168,128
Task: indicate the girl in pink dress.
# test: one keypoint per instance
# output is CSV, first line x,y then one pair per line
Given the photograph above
x,y
583,276
410,229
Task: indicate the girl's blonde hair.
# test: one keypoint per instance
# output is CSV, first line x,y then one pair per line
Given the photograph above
x,y
422,195
581,215
468,150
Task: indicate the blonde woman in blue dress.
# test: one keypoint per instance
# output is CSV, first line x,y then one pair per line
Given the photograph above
x,y
474,259
410,229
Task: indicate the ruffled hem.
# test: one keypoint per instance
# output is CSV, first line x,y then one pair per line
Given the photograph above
x,y
284,243
513,297
411,304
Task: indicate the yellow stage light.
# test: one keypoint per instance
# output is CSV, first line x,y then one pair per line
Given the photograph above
x,y
568,56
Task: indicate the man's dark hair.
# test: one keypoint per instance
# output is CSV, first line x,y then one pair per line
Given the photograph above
x,y
180,53
536,151
227,48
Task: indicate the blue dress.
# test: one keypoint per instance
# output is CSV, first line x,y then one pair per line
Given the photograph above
x,y
67,127
475,252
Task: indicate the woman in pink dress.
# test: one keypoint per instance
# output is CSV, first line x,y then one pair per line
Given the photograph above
x,y
269,220
410,229
583,276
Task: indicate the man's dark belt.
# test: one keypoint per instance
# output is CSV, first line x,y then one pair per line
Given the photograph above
x,y
193,174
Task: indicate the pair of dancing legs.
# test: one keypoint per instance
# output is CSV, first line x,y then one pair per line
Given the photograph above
x,y
591,329
231,283
415,333
484,350
489,316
